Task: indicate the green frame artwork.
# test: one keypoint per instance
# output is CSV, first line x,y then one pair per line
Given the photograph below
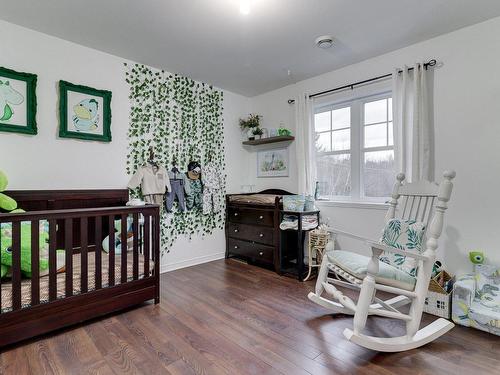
x,y
84,112
17,102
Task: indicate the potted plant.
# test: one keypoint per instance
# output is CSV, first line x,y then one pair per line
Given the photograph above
x,y
257,132
251,123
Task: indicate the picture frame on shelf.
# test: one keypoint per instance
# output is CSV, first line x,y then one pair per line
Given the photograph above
x,y
17,102
84,112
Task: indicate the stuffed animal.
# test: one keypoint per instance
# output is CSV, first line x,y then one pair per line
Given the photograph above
x,y
476,257
6,249
10,205
7,203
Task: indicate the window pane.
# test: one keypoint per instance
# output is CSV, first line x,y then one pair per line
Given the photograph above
x,y
390,109
376,111
378,177
322,121
376,135
391,134
341,118
334,175
341,140
323,142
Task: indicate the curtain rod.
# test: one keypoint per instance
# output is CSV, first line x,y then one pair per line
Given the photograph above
x,y
432,62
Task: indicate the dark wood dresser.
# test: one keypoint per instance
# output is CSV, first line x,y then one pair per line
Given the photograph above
x,y
252,230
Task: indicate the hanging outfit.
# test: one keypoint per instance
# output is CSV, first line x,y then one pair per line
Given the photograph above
x,y
194,200
154,182
212,183
179,187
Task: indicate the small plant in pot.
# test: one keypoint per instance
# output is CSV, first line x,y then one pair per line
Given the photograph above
x,y
250,124
257,132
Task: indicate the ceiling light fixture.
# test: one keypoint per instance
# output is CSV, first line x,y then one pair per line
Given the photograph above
x,y
324,41
245,7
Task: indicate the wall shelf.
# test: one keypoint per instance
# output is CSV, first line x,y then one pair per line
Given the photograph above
x,y
264,141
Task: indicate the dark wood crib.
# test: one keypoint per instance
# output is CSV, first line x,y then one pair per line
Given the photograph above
x,y
90,282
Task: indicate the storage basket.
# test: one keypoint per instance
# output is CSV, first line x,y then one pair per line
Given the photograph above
x,y
438,300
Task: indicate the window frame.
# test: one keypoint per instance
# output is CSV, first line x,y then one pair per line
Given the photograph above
x,y
357,147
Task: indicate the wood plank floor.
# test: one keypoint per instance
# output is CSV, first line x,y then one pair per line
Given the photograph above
x,y
225,317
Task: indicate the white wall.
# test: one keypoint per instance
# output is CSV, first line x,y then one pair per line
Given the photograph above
x,y
467,132
46,162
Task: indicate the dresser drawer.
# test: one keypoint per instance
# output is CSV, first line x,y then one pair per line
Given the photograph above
x,y
250,216
251,250
255,233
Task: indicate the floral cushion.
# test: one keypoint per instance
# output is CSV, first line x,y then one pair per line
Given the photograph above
x,y
405,235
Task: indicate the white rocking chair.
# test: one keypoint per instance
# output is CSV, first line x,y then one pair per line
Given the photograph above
x,y
420,201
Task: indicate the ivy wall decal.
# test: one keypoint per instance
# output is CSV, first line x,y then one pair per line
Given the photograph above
x,y
182,120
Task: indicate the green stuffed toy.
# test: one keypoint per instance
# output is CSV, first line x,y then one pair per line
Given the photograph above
x,y
7,203
476,257
10,205
6,248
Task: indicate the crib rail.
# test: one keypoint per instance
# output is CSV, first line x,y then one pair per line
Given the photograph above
x,y
137,242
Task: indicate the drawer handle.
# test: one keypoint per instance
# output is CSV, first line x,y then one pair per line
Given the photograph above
x,y
235,214
261,235
236,231
261,253
261,217
236,246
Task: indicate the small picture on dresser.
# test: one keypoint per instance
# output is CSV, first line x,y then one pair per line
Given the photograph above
x,y
273,163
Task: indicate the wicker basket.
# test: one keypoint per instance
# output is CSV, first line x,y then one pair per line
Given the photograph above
x,y
317,242
438,300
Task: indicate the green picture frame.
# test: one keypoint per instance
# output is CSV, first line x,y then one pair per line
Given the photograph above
x,y
17,102
84,112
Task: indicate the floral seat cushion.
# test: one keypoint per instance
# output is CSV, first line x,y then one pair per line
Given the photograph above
x,y
405,235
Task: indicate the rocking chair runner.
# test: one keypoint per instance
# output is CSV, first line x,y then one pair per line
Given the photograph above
x,y
422,201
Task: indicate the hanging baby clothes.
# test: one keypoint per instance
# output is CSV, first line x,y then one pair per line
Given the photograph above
x,y
180,185
154,182
194,200
212,183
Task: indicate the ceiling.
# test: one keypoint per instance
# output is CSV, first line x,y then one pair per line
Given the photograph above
x,y
211,41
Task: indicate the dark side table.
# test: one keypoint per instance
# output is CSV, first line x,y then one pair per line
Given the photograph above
x,y
291,250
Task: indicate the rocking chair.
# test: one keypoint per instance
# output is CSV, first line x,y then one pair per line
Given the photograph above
x,y
422,202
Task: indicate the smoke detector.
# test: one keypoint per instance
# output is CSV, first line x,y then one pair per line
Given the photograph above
x,y
324,41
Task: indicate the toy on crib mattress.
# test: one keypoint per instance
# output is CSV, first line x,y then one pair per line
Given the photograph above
x,y
10,205
118,237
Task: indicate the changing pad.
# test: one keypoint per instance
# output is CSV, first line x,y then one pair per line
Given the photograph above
x,y
258,199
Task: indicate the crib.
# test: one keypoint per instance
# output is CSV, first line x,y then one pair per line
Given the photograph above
x,y
82,281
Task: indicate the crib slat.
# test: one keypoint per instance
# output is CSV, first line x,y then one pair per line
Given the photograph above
x,y
35,262
146,237
16,265
123,241
98,252
84,255
135,229
111,254
52,260
68,247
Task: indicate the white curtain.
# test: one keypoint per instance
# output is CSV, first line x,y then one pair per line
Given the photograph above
x,y
413,129
305,144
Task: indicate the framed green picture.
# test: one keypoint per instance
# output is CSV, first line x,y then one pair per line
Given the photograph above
x,y
17,102
84,112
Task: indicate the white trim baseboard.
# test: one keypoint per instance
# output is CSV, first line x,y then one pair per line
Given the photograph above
x,y
191,262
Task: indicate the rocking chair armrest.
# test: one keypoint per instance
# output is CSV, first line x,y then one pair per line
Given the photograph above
x,y
390,249
336,231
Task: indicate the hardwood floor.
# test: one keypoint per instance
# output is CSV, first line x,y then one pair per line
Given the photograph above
x,y
225,317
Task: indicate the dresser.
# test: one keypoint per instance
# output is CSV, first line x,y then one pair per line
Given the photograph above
x,y
252,227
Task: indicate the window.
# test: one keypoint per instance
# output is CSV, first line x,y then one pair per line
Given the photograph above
x,y
355,149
